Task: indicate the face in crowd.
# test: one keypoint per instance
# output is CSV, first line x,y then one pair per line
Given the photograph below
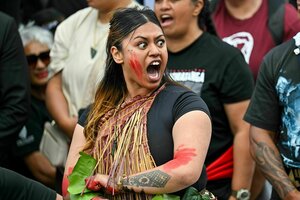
x,y
143,56
38,59
176,16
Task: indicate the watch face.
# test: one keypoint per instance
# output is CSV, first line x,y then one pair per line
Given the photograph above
x,y
243,195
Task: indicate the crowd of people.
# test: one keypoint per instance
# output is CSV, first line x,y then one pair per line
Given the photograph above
x,y
198,94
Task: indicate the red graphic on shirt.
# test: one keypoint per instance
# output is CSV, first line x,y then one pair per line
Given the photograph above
x,y
182,156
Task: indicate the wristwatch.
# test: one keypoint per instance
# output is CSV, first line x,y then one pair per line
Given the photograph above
x,y
242,194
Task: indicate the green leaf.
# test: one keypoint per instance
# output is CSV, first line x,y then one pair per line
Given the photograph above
x,y
166,197
191,193
83,169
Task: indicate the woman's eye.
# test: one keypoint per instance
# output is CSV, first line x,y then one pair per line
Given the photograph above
x,y
142,45
160,43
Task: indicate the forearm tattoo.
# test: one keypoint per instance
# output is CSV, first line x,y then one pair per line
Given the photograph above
x,y
273,169
155,178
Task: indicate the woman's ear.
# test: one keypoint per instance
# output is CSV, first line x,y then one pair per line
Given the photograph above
x,y
198,7
117,55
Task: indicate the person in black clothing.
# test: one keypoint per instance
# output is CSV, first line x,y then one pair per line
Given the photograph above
x,y
218,73
12,8
274,117
14,107
37,43
148,134
14,88
14,186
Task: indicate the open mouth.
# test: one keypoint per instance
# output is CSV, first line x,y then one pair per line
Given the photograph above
x,y
153,70
166,20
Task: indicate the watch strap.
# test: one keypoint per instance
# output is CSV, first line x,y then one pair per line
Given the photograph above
x,y
234,193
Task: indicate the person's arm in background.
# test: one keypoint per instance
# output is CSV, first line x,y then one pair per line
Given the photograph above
x,y
58,105
236,93
270,163
55,100
14,80
42,170
243,164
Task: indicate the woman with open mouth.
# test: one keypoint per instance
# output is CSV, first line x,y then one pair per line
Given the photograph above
x,y
146,134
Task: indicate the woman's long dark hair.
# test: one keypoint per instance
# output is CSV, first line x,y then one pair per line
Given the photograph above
x,y
112,88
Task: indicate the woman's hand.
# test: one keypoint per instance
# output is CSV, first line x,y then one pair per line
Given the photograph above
x,y
98,181
93,184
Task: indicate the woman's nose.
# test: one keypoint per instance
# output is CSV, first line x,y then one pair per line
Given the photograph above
x,y
163,5
40,64
154,51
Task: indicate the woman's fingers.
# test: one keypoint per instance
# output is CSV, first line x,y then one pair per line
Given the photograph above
x,y
93,184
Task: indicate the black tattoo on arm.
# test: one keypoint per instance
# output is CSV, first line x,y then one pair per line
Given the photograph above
x,y
271,166
155,178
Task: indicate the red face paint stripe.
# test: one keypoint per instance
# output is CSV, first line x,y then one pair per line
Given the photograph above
x,y
136,66
181,157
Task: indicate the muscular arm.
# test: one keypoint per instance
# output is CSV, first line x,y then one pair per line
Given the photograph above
x,y
269,161
41,168
58,106
191,136
243,167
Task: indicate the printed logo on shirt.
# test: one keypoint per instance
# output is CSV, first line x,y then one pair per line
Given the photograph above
x,y
289,145
243,41
23,139
294,175
192,79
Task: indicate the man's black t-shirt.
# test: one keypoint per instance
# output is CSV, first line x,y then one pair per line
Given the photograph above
x,y
275,104
29,138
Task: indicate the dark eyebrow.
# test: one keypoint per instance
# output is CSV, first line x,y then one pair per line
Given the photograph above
x,y
144,38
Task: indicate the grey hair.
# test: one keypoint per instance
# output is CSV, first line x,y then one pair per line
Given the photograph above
x,y
31,32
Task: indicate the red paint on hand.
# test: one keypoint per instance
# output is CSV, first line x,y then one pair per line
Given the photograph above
x,y
182,156
136,66
65,182
93,185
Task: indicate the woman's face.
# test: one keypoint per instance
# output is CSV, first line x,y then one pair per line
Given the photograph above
x,y
38,59
143,58
177,17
